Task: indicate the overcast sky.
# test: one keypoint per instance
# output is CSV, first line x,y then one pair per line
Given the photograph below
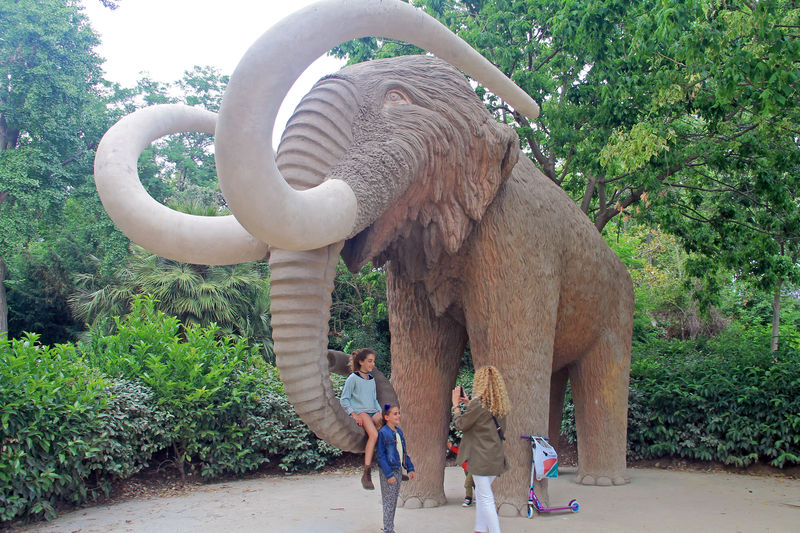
x,y
164,38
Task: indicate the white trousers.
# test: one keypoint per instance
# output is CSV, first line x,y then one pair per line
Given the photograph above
x,y
485,511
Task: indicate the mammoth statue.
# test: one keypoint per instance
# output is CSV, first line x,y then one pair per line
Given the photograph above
x,y
396,161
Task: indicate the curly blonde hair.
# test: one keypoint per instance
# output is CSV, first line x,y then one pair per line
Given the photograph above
x,y
488,385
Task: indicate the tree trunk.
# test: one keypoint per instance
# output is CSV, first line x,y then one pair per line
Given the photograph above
x,y
3,303
776,317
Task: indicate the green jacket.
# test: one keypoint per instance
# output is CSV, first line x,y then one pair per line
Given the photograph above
x,y
480,446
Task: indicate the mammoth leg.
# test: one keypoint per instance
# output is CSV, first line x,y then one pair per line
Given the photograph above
x,y
600,390
517,337
426,353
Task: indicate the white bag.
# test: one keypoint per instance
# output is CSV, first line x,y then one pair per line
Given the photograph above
x,y
545,459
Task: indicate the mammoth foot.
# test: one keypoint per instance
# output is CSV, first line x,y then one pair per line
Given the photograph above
x,y
418,502
510,509
510,504
600,480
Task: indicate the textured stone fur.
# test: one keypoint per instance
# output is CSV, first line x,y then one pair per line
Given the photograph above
x,y
480,247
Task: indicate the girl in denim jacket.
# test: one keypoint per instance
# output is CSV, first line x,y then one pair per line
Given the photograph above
x,y
391,448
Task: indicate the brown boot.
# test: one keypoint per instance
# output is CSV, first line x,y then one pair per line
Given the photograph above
x,y
366,478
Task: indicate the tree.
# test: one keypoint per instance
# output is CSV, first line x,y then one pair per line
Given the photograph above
x,y
638,97
739,197
178,169
666,294
235,298
85,241
633,92
359,316
51,118
750,222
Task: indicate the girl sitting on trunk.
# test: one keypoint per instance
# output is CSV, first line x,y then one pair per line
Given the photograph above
x,y
359,399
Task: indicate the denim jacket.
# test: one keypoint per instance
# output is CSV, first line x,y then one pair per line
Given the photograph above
x,y
388,459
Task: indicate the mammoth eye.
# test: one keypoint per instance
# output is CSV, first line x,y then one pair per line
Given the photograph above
x,y
395,97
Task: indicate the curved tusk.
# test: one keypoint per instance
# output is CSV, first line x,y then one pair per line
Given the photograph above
x,y
249,178
164,231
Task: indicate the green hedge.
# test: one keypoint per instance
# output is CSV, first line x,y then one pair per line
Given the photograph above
x,y
67,431
724,400
75,419
49,402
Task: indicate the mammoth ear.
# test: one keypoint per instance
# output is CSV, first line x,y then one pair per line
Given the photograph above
x,y
512,152
500,152
487,165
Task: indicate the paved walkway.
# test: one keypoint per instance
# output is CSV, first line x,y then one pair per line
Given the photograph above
x,y
655,500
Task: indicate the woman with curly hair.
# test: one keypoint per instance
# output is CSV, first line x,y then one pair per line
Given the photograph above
x,y
482,444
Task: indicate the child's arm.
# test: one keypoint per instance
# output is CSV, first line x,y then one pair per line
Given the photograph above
x,y
406,459
383,462
347,394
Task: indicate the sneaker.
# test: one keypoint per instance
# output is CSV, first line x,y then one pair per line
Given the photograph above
x,y
467,502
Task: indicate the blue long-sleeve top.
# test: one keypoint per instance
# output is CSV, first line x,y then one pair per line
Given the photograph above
x,y
359,395
388,458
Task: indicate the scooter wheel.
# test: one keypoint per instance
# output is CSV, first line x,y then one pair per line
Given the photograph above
x,y
574,505
530,511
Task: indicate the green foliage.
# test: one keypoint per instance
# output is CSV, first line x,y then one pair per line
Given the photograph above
x,y
279,431
179,169
190,378
731,408
43,272
227,408
76,419
235,298
49,112
51,117
66,431
726,400
665,293
359,316
135,428
38,295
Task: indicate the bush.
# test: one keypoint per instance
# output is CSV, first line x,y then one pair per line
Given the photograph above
x,y
259,425
281,432
734,408
726,400
135,428
49,444
227,410
74,420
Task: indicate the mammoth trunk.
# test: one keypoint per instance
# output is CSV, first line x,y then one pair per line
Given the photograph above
x,y
301,285
316,137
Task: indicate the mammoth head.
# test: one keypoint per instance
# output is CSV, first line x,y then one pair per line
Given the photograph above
x,y
425,157
374,153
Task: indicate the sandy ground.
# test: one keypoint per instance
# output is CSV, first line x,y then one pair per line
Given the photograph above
x,y
655,500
